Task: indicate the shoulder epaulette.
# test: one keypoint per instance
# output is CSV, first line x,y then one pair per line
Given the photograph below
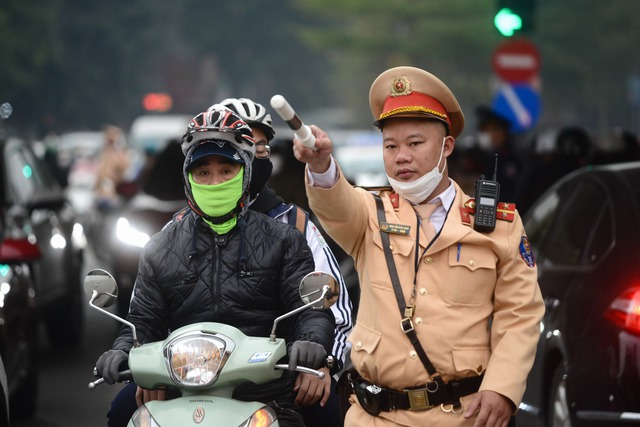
x,y
393,196
505,212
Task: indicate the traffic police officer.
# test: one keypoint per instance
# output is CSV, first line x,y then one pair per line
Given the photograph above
x,y
449,316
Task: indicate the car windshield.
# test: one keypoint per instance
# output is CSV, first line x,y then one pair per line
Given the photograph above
x,y
360,157
28,175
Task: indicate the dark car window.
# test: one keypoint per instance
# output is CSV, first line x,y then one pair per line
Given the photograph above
x,y
26,174
603,236
582,226
540,219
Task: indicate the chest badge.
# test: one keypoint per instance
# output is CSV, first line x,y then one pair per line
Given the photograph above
x,y
395,228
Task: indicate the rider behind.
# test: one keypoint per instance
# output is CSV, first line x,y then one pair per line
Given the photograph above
x,y
264,199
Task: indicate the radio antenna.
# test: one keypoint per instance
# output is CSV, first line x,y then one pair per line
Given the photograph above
x,y
495,169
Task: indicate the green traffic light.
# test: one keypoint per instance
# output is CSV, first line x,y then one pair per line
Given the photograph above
x,y
507,22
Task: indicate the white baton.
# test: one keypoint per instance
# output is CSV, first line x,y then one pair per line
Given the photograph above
x,y
302,131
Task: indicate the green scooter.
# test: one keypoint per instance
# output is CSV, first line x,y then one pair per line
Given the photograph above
x,y
206,361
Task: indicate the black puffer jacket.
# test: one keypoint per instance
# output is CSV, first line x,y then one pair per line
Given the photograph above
x,y
189,274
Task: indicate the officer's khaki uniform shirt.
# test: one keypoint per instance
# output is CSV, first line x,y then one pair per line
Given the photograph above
x,y
478,304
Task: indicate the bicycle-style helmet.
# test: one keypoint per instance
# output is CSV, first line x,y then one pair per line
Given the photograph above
x,y
219,124
251,112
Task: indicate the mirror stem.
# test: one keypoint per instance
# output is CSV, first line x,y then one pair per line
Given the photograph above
x,y
272,337
95,294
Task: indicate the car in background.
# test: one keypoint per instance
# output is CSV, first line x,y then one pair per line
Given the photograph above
x,y
359,154
150,133
18,324
75,155
127,230
585,234
34,204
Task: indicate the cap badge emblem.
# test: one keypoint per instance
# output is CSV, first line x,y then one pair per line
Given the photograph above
x,y
400,86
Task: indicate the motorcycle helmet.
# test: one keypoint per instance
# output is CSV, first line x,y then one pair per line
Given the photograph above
x,y
251,112
217,125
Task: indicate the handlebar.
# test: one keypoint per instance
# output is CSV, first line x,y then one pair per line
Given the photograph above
x,y
304,370
99,381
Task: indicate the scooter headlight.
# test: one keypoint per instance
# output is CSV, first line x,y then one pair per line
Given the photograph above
x,y
196,360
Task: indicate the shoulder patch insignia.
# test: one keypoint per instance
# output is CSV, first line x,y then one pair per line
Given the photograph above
x,y
394,200
526,253
505,211
465,216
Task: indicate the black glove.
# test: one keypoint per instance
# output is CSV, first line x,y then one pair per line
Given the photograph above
x,y
110,364
306,353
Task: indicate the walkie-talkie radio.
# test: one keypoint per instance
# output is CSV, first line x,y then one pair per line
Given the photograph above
x,y
487,194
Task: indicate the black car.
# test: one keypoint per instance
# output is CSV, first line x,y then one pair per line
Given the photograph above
x,y
35,204
18,324
585,234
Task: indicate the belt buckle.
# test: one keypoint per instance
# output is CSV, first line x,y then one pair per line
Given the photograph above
x,y
418,399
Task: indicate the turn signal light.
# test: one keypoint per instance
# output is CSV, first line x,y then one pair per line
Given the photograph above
x,y
624,311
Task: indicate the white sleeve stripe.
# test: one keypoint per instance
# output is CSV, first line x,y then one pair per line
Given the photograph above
x,y
324,259
344,303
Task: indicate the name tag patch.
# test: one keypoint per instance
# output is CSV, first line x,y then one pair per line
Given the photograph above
x,y
395,228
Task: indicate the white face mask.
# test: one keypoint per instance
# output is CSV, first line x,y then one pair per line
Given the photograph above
x,y
418,190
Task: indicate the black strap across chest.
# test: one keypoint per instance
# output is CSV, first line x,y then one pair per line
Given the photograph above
x,y
406,323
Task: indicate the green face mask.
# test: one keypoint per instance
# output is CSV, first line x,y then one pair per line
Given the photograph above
x,y
219,199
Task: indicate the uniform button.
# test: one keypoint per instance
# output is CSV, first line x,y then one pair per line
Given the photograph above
x,y
358,345
479,369
413,354
472,263
423,291
419,320
391,247
428,260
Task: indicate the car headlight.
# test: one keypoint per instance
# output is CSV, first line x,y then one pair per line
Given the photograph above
x,y
195,360
78,237
142,418
263,417
126,233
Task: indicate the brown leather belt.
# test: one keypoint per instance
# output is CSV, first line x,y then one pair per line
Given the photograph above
x,y
375,399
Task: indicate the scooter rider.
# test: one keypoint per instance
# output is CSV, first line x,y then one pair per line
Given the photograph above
x,y
218,261
264,199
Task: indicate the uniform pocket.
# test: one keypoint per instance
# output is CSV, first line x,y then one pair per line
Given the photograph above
x,y
471,275
470,361
400,244
364,342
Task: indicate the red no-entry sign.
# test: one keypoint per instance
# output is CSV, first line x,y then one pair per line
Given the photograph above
x,y
516,61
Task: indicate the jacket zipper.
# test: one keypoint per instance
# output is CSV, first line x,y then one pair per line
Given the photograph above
x,y
216,279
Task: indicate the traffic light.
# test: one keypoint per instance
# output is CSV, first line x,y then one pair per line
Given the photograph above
x,y
514,16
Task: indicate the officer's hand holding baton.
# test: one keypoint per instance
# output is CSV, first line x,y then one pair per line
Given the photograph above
x,y
311,144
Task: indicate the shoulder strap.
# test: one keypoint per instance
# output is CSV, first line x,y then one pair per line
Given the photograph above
x,y
405,324
299,218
